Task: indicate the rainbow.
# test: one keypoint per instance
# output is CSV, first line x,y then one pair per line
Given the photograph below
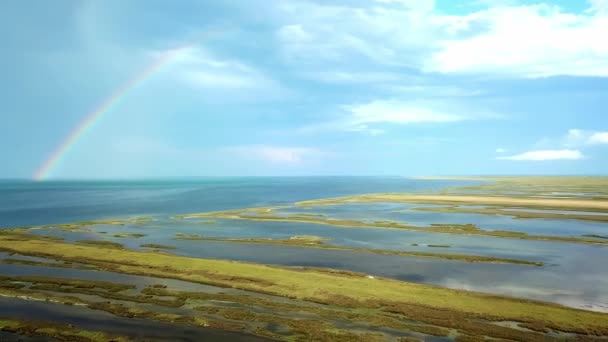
x,y
85,125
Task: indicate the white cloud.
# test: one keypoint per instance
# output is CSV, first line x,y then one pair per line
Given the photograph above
x,y
434,91
542,155
373,117
424,5
575,138
382,111
579,137
598,138
544,41
599,5
277,154
366,129
501,150
318,33
340,77
199,68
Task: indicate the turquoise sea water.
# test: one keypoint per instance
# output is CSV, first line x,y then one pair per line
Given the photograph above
x,y
35,203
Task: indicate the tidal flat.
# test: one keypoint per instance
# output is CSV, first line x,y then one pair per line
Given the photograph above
x,y
329,264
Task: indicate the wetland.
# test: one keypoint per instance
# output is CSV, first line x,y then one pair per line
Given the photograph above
x,y
397,259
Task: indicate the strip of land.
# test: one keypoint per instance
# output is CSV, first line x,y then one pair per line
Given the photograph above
x,y
578,204
76,226
545,186
468,312
514,212
316,242
268,214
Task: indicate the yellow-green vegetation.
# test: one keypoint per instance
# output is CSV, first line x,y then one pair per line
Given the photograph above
x,y
576,203
312,215
514,212
156,246
106,290
308,239
101,243
239,317
62,332
552,186
182,236
596,236
76,283
409,339
39,293
75,226
128,235
250,211
468,312
130,312
303,329
267,214
320,243
243,307
12,261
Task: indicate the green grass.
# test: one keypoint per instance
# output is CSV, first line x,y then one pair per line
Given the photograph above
x,y
12,261
157,246
507,201
565,186
596,236
76,283
102,243
128,235
514,213
79,225
62,332
182,236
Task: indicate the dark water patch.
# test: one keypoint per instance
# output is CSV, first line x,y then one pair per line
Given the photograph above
x,y
415,278
325,264
101,321
6,336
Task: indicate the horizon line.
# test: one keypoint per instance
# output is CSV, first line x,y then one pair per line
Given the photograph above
x,y
421,177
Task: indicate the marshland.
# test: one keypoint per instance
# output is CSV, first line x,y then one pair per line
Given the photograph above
x,y
416,265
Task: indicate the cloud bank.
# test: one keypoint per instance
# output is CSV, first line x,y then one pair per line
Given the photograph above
x,y
544,155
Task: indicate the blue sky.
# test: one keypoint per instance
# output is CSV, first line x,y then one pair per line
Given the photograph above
x,y
311,87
